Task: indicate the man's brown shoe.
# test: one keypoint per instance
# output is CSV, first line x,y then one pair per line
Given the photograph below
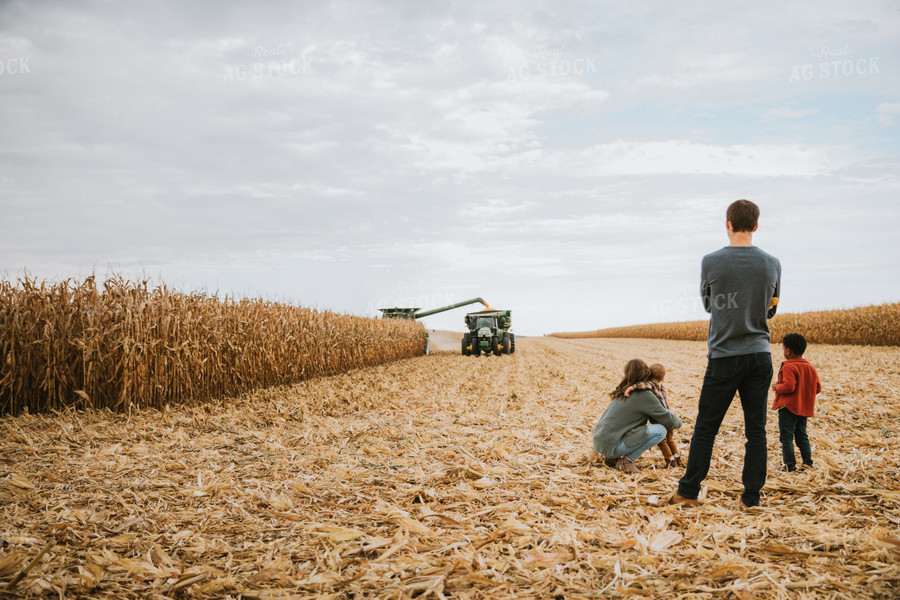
x,y
610,462
688,502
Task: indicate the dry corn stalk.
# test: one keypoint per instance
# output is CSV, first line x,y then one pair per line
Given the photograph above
x,y
131,344
876,325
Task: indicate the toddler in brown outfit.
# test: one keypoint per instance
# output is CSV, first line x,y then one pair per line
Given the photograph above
x,y
657,374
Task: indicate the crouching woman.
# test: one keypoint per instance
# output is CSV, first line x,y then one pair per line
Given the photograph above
x,y
622,434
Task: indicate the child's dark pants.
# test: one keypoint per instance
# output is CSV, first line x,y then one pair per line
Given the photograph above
x,y
790,427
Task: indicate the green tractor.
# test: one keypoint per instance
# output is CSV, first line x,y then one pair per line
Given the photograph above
x,y
489,332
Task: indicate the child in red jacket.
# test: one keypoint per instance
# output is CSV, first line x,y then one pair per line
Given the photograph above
x,y
795,400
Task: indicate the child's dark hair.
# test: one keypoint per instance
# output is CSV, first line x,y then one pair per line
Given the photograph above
x,y
794,342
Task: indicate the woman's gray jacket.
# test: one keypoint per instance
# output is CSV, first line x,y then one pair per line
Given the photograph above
x,y
625,420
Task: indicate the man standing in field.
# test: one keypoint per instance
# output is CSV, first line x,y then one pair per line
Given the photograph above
x,y
740,285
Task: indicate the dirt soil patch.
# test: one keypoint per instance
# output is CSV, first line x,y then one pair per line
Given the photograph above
x,y
445,341
450,477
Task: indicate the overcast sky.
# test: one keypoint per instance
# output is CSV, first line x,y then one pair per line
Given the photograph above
x,y
571,161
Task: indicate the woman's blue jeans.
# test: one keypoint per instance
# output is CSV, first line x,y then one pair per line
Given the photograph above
x,y
655,432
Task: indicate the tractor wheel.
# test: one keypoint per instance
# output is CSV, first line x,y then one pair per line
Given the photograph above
x,y
476,349
467,339
495,346
512,342
506,343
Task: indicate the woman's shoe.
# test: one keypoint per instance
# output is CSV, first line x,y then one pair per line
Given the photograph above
x,y
625,464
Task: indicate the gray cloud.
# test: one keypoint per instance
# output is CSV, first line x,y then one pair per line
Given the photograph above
x,y
546,156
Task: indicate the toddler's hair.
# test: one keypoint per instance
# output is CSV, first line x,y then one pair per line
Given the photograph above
x,y
657,371
795,342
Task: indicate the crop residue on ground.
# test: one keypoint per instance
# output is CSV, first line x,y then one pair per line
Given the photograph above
x,y
450,477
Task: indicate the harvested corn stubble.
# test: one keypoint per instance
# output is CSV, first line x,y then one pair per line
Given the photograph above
x,y
450,477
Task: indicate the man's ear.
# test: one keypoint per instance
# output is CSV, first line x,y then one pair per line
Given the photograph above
x,y
728,225
755,227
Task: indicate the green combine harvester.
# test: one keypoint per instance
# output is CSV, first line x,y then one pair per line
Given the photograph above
x,y
488,329
413,313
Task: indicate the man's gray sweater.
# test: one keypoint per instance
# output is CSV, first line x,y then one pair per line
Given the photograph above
x,y
737,284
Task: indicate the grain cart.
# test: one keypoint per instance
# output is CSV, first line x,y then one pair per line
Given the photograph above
x,y
413,314
489,332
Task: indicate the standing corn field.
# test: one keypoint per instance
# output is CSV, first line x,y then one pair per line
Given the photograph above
x,y
128,344
876,325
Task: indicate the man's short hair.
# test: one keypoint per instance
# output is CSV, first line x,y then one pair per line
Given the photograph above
x,y
743,215
795,342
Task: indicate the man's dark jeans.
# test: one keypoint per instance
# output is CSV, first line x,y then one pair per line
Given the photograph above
x,y
750,375
792,426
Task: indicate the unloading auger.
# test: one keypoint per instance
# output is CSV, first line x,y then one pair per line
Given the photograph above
x,y
488,328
